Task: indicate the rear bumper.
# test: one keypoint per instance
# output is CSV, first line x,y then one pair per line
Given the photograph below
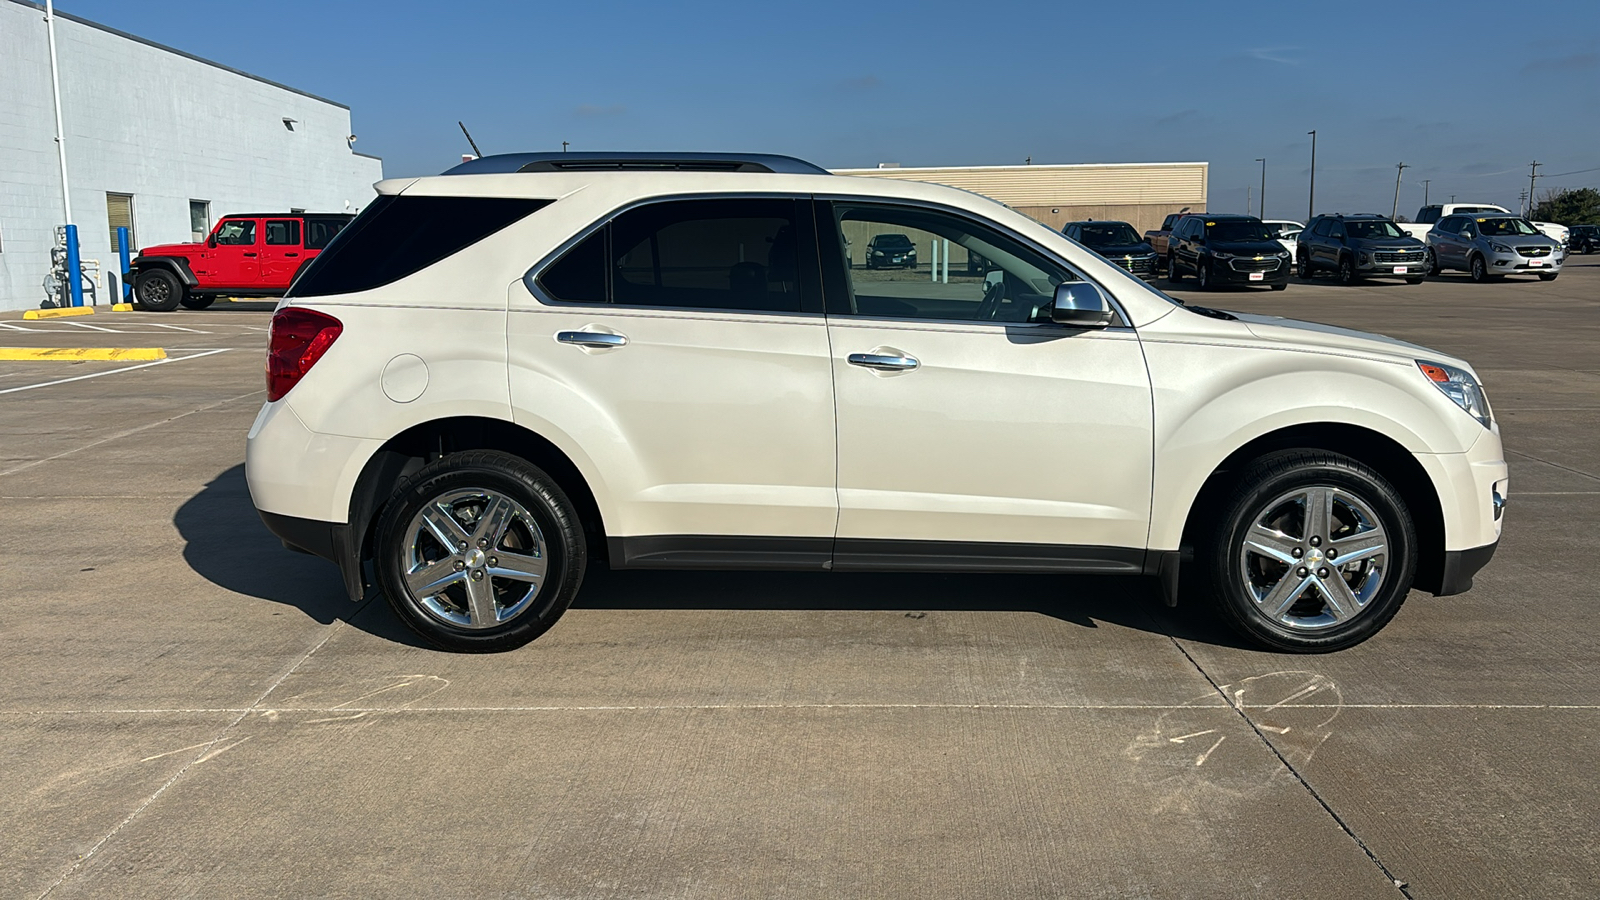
x,y
1461,565
330,540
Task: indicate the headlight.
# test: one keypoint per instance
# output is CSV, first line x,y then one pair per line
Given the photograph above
x,y
877,253
1498,247
1460,386
1218,254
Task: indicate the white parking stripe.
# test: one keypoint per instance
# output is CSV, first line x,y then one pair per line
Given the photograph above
x,y
91,327
174,327
159,362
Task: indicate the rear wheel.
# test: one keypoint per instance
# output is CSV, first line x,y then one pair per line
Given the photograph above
x,y
192,301
479,552
1314,552
158,290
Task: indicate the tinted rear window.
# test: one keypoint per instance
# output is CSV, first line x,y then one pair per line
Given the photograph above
x,y
397,236
320,231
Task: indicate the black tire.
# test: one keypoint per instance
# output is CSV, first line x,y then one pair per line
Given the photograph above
x,y
1202,275
559,539
1347,271
158,291
1172,268
1302,265
1479,269
1280,286
1414,280
1301,627
1433,264
1548,276
192,301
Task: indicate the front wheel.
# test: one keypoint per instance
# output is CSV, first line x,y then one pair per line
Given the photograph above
x,y
158,290
1548,276
1433,265
1172,268
1414,280
1480,270
1302,267
191,301
1202,275
1281,286
1347,271
479,552
1314,552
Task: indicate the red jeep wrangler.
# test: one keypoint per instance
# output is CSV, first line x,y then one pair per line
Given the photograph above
x,y
246,255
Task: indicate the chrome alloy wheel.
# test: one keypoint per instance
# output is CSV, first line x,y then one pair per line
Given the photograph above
x,y
1314,558
476,558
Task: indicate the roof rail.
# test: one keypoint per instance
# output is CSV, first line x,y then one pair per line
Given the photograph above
x,y
636,162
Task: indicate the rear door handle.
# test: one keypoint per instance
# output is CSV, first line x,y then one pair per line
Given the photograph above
x,y
291,254
597,339
882,363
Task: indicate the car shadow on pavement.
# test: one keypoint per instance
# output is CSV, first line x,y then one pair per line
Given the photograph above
x,y
226,543
1084,600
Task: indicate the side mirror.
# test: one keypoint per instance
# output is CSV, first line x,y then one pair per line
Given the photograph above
x,y
1469,234
1079,304
211,240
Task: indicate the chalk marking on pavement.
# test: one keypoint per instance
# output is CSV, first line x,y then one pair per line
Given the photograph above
x,y
159,362
1201,760
80,354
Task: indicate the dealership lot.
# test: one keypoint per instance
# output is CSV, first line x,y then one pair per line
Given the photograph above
x,y
189,709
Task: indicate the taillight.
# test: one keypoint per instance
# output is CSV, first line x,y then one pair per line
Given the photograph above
x,y
299,338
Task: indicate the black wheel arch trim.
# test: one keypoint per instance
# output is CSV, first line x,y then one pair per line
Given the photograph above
x,y
177,265
1460,566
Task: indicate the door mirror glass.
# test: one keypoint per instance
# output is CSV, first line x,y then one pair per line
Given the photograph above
x,y
1080,304
211,240
1468,233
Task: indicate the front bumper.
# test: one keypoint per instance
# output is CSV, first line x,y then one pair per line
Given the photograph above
x,y
1461,565
1379,264
1505,263
1237,271
1472,488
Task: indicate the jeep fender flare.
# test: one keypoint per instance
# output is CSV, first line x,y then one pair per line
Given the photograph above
x,y
177,265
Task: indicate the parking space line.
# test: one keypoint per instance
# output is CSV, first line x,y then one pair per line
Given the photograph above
x,y
81,354
159,362
175,327
88,326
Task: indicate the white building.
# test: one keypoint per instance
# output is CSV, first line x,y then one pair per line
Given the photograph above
x,y
157,139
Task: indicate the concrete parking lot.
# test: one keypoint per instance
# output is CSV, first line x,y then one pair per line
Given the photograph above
x,y
187,709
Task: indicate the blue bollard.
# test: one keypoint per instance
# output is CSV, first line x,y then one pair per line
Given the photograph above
x,y
122,251
74,267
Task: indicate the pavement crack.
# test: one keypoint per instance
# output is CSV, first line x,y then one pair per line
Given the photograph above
x,y
214,747
1588,475
1344,826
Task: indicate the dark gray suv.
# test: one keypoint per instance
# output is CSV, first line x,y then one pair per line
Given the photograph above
x,y
1360,246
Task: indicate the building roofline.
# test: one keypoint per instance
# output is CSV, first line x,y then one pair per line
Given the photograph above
x,y
1122,165
199,59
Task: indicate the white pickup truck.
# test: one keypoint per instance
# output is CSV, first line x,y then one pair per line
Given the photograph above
x,y
1428,215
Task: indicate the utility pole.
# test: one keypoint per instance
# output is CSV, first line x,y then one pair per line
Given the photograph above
x,y
1425,183
1263,195
1533,172
1247,190
1311,200
55,88
564,145
1398,171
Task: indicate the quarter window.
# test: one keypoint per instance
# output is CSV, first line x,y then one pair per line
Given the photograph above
x,y
912,263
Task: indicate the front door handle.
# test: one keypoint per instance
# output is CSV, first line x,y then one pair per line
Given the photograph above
x,y
596,339
249,254
882,363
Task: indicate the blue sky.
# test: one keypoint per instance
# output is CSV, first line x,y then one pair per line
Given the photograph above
x,y
1466,93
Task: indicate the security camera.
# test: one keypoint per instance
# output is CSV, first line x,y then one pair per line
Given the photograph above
x,y
350,139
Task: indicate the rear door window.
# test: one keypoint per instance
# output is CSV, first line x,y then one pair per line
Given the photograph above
x,y
397,236
283,232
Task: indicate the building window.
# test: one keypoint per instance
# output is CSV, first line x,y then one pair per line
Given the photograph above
x,y
119,214
199,219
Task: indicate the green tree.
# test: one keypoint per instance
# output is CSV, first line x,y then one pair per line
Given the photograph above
x,y
1580,206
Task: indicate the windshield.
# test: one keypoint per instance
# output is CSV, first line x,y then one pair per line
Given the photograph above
x,y
891,240
1237,231
1505,227
1371,230
1109,234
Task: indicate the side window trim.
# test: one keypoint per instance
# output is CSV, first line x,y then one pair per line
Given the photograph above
x,y
836,284
810,293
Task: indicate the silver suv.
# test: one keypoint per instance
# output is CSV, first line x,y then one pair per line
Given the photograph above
x,y
1490,245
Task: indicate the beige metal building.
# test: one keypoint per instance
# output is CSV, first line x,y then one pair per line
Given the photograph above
x,y
1140,193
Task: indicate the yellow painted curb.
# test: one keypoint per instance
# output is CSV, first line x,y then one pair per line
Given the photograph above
x,y
98,354
122,307
59,313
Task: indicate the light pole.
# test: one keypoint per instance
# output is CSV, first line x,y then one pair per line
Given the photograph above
x,y
1311,200
1263,195
55,89
1425,183
1398,171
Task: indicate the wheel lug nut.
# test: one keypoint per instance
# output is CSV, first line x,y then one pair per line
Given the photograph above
x,y
460,565
493,561
1297,552
477,574
1316,542
1302,571
1322,573
483,542
1332,553
463,545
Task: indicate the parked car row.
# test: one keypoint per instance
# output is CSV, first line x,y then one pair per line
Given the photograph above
x,y
1217,249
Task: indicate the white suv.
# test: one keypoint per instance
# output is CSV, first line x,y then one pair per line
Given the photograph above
x,y
494,376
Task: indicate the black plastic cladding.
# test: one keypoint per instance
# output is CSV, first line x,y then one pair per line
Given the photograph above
x,y
648,162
